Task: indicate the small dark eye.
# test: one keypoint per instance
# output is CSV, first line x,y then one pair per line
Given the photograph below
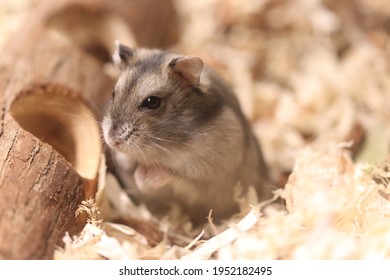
x,y
113,94
151,102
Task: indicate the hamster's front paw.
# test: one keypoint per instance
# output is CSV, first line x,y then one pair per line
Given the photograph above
x,y
149,178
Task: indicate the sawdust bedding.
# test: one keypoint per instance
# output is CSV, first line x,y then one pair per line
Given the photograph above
x,y
313,77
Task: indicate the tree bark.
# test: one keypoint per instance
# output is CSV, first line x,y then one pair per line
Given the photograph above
x,y
49,141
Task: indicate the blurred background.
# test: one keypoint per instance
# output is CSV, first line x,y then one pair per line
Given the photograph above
x,y
307,72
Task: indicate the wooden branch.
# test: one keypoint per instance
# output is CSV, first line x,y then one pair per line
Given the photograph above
x,y
154,24
49,142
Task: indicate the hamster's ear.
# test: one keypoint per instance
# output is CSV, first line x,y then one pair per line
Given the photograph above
x,y
122,55
189,66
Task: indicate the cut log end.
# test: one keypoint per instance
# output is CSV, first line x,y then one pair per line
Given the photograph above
x,y
49,164
59,117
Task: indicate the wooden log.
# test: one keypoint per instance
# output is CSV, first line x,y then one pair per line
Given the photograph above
x,y
93,25
49,141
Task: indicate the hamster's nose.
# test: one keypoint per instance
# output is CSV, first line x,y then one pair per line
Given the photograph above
x,y
119,135
114,142
113,138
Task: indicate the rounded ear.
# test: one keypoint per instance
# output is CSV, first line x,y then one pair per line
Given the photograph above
x,y
190,67
122,55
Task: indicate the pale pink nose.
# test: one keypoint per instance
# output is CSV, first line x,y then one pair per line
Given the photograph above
x,y
113,142
118,136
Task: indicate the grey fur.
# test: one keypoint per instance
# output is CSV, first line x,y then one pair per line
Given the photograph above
x,y
198,134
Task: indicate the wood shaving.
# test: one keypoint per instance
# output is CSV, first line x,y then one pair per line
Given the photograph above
x,y
314,79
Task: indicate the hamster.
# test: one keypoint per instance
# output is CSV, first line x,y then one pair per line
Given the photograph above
x,y
178,134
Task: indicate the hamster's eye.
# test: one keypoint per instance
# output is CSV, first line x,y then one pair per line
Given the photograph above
x,y
113,94
151,102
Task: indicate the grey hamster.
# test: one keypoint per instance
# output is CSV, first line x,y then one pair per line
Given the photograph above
x,y
178,133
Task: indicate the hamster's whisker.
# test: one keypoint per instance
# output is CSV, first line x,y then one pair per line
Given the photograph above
x,y
162,153
161,139
102,139
140,150
159,147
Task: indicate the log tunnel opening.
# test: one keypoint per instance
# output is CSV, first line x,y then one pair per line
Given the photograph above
x,y
60,118
92,31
